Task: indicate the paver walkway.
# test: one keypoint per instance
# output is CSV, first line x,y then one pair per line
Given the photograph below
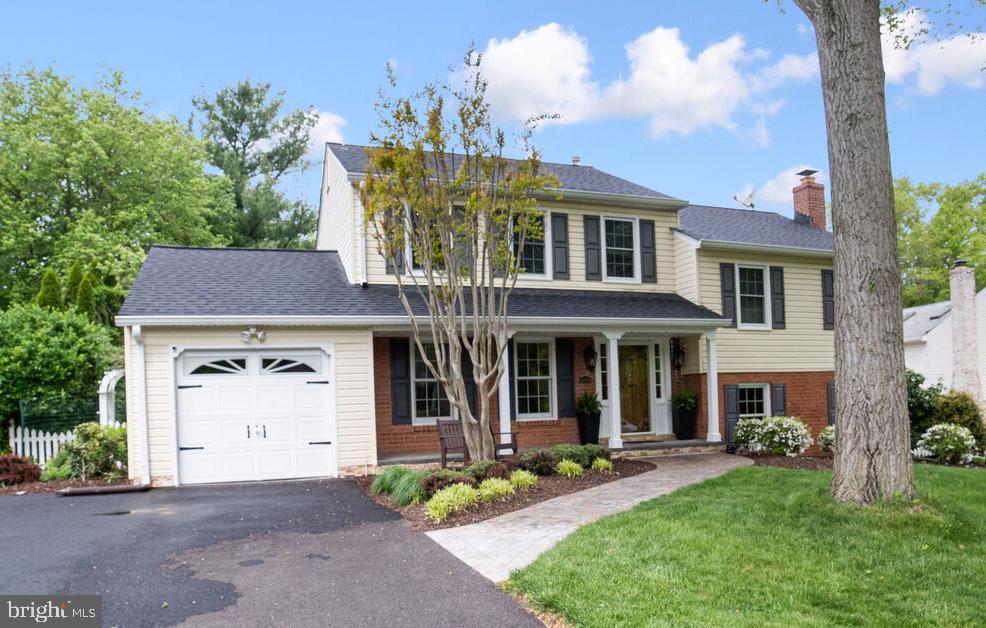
x,y
497,546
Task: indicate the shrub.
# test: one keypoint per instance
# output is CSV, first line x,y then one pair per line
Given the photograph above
x,y
495,488
593,451
434,481
921,401
947,442
779,435
58,468
826,439
537,461
601,464
478,469
522,480
50,294
582,454
17,470
407,490
97,451
449,500
498,470
384,483
960,408
568,468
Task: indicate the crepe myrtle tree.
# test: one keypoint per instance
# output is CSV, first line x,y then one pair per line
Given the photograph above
x,y
872,459
450,214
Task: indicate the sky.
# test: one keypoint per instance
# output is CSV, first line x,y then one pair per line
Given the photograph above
x,y
700,100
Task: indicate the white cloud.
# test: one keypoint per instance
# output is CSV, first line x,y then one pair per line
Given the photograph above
x,y
327,129
777,191
547,70
933,64
803,29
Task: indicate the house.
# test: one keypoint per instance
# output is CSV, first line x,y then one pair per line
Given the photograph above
x,y
946,342
264,364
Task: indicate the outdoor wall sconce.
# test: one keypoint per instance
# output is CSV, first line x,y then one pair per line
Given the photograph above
x,y
590,357
677,353
247,334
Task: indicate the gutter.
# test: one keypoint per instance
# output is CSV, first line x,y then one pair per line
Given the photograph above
x,y
145,437
758,248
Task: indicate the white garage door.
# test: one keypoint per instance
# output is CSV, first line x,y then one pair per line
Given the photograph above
x,y
255,415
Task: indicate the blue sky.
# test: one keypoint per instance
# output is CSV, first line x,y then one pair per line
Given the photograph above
x,y
700,100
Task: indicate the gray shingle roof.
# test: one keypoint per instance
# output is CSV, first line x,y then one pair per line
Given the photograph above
x,y
745,226
575,178
180,281
921,319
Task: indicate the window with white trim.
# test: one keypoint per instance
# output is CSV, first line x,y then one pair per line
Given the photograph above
x,y
754,400
430,400
534,379
534,257
216,366
620,244
752,288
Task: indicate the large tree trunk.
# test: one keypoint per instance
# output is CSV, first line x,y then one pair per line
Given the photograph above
x,y
872,458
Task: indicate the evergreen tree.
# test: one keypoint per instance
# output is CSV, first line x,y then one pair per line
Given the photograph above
x,y
72,283
50,294
85,300
95,275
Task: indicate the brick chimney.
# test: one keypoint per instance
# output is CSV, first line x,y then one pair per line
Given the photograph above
x,y
965,372
809,200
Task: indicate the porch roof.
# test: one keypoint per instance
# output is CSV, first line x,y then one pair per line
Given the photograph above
x,y
179,285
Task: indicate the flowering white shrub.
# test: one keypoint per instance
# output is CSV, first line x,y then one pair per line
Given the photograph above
x,y
947,442
826,439
780,435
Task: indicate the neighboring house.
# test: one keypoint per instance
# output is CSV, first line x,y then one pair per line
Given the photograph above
x,y
262,364
928,339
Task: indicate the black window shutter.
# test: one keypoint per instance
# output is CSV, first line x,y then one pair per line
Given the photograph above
x,y
400,381
828,300
593,250
831,396
727,281
559,245
511,378
777,297
648,252
565,365
778,399
470,380
730,393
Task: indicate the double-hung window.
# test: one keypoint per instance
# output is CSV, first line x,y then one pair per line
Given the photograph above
x,y
430,401
535,387
754,400
620,242
752,289
533,257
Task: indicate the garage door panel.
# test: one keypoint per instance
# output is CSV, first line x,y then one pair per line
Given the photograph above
x,y
236,398
198,399
311,396
274,397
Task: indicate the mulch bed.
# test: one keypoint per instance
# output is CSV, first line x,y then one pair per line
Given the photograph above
x,y
824,463
548,487
55,485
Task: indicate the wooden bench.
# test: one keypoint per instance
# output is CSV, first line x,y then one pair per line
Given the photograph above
x,y
452,440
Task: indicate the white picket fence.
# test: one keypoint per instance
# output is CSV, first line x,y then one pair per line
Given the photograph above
x,y
41,446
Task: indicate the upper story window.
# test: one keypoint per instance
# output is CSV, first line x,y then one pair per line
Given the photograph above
x,y
620,243
430,401
752,289
534,379
535,258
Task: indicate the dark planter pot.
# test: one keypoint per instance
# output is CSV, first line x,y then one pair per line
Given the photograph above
x,y
588,428
684,423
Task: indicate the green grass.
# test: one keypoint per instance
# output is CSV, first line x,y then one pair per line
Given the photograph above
x,y
764,546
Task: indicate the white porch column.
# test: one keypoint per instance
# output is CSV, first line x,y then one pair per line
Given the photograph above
x,y
503,399
712,379
613,368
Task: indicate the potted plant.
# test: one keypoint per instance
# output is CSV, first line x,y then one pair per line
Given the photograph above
x,y
684,403
587,410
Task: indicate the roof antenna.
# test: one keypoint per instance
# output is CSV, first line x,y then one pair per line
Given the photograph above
x,y
746,202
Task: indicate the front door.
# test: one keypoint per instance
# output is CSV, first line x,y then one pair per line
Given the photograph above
x,y
635,388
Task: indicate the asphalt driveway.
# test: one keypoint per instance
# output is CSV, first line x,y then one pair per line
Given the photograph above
x,y
315,553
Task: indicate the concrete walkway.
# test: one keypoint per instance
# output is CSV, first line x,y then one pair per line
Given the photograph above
x,y
497,546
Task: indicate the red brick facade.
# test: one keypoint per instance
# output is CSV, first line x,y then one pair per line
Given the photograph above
x,y
420,439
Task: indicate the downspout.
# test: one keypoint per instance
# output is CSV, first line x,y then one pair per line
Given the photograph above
x,y
141,388
362,240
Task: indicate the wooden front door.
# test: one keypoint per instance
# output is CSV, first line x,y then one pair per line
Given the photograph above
x,y
634,388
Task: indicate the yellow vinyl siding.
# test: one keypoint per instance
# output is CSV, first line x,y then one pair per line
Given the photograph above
x,y
354,388
686,269
664,222
338,225
803,346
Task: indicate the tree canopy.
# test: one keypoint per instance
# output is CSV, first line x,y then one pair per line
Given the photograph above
x,y
87,174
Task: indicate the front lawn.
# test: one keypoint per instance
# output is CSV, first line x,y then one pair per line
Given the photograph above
x,y
767,546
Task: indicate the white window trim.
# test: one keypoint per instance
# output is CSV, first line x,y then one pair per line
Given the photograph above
x,y
767,324
415,420
766,399
636,249
548,265
553,377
